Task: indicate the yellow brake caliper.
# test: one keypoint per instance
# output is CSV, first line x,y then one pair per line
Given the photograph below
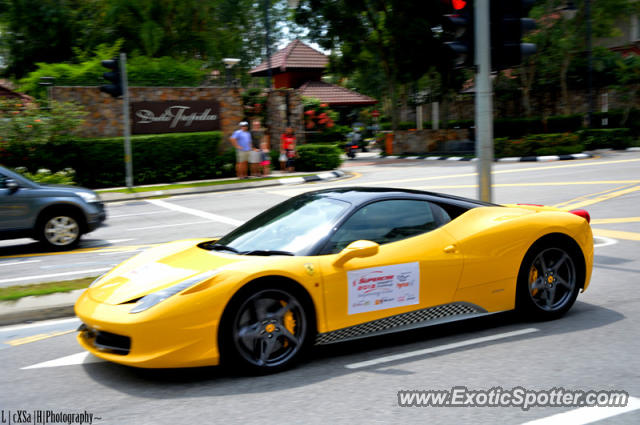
x,y
289,322
533,275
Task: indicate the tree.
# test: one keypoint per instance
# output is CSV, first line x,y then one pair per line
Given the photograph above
x,y
561,44
55,31
391,35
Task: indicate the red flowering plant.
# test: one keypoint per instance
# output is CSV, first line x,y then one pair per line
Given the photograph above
x,y
317,115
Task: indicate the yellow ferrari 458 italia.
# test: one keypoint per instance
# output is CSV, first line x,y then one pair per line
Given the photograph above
x,y
333,265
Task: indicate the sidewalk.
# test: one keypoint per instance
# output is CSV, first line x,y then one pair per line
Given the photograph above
x,y
220,185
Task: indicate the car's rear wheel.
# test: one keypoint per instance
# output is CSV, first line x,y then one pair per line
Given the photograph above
x,y
548,282
59,230
267,330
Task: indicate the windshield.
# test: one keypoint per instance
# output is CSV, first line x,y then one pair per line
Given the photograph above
x,y
294,226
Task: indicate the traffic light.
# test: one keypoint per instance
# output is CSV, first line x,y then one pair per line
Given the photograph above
x,y
509,23
114,76
457,26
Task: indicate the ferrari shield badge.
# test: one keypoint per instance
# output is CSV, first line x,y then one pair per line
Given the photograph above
x,y
309,268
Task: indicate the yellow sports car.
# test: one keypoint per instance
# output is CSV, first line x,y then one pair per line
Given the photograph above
x,y
332,265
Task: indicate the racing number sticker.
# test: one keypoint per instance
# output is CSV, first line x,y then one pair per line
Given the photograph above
x,y
379,288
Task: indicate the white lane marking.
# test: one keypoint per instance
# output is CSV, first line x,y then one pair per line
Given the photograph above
x,y
474,341
45,276
44,323
17,263
119,240
168,225
121,252
74,359
197,213
600,241
587,415
137,214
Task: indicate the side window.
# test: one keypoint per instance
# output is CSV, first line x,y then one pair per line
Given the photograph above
x,y
386,221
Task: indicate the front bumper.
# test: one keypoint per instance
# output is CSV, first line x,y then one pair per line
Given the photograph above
x,y
164,338
96,217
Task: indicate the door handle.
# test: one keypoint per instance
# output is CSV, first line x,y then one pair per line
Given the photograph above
x,y
451,249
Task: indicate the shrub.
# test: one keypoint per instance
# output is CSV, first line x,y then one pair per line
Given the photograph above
x,y
564,123
614,138
538,144
22,123
318,157
160,158
45,176
516,127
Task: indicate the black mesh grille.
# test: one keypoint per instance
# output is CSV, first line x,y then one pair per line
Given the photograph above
x,y
106,341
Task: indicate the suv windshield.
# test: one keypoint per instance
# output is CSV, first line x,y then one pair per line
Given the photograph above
x,y
294,226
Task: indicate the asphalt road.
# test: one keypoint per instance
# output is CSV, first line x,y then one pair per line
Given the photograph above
x,y
594,347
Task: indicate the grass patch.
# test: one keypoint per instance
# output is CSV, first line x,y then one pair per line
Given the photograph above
x,y
12,293
140,189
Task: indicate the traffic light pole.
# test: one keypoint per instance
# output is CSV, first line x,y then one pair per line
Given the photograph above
x,y
483,100
127,128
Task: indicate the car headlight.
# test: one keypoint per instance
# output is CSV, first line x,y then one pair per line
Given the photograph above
x,y
88,196
154,298
95,282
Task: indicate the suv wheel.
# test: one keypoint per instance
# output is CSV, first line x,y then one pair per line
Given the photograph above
x,y
59,231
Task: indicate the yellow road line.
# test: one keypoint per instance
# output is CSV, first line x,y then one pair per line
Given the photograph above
x,y
82,251
542,167
38,337
530,184
615,220
591,195
617,234
601,198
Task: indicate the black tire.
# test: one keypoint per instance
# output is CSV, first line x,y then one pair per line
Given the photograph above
x,y
548,281
59,230
266,329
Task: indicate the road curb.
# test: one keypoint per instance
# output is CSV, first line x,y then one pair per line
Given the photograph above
x,y
248,184
35,308
542,158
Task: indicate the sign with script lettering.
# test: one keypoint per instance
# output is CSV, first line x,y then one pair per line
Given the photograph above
x,y
174,116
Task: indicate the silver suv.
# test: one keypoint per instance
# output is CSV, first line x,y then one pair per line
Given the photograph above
x,y
56,215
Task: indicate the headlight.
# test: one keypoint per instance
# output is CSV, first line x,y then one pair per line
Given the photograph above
x,y
95,282
88,196
150,300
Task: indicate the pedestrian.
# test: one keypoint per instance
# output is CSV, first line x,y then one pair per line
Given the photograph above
x,y
241,141
287,150
265,148
255,155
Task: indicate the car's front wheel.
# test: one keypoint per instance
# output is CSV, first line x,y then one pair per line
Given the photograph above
x,y
59,231
266,330
548,282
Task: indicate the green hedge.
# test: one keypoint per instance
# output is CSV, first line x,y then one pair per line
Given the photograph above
x,y
614,138
538,144
318,157
99,163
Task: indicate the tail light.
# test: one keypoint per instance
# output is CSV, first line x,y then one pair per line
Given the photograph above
x,y
582,213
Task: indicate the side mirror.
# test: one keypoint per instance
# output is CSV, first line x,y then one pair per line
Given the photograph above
x,y
357,249
12,185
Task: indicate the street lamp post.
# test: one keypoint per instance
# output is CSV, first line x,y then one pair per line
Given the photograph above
x,y
267,26
229,63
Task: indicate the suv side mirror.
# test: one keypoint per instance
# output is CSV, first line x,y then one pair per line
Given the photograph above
x,y
12,185
357,249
